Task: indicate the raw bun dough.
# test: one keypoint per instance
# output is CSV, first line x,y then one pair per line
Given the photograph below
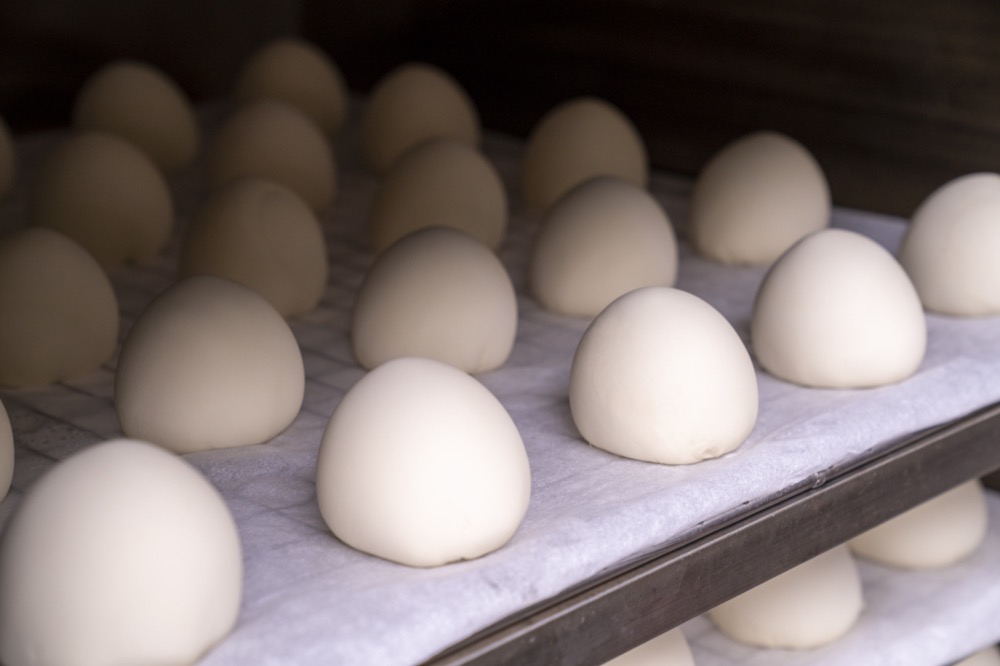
x,y
441,182
661,376
105,194
121,554
60,313
986,657
411,104
299,73
6,452
446,478
208,364
264,236
436,293
937,533
755,198
602,239
276,141
667,649
575,141
950,247
838,311
142,105
805,607
8,159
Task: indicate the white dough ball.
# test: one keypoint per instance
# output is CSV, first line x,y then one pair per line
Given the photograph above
x,y
276,141
445,478
121,554
575,141
413,103
299,73
661,376
808,606
60,312
838,311
436,293
441,182
105,194
950,247
6,452
936,533
8,159
208,364
264,236
667,649
986,657
755,198
603,238
142,105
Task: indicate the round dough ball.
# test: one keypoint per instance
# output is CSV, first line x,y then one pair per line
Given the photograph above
x,y
445,479
264,236
278,142
986,657
755,198
436,293
105,194
950,247
6,452
667,649
60,313
142,105
411,104
8,159
936,533
805,607
838,311
575,141
120,554
299,73
208,364
602,239
661,376
441,182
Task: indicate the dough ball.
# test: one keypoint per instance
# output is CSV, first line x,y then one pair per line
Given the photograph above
x,y
603,238
986,657
8,159
6,452
208,364
668,649
105,194
950,247
805,607
441,182
278,142
120,554
445,479
299,73
437,293
411,104
755,198
936,533
142,105
837,311
661,376
60,313
575,141
264,236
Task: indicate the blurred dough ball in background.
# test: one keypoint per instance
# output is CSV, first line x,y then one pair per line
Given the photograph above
x,y
6,452
667,649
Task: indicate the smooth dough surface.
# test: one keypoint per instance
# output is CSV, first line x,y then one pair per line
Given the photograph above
x,y
668,649
436,293
441,182
105,194
6,452
661,376
276,141
208,364
950,247
755,198
805,607
8,159
299,73
986,657
838,311
413,103
575,141
936,533
142,105
445,479
60,312
602,239
264,236
142,563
